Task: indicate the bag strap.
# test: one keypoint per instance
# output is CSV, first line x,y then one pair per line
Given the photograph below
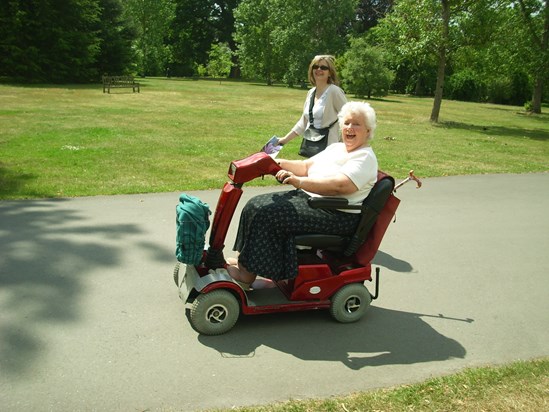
x,y
311,118
311,104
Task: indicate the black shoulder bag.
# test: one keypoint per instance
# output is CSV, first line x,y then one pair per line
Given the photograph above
x,y
314,140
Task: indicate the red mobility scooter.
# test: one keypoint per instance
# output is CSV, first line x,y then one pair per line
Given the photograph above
x,y
332,269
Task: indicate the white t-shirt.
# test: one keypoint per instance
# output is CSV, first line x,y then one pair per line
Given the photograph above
x,y
318,108
360,166
325,112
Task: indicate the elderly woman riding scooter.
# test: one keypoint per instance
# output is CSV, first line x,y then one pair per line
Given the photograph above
x,y
269,222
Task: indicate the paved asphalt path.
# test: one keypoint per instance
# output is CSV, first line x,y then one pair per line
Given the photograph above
x,y
90,318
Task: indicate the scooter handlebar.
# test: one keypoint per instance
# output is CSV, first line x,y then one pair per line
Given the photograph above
x,y
254,166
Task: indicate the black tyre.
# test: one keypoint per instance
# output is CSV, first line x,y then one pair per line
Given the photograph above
x,y
350,303
176,274
214,313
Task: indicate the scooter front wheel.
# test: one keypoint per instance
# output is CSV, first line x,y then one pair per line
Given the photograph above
x,y
350,303
176,273
215,312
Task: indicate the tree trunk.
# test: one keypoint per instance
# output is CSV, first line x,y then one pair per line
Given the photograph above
x,y
543,44
536,96
441,61
418,90
540,78
440,85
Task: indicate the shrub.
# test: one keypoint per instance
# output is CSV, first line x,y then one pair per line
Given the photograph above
x,y
465,85
365,72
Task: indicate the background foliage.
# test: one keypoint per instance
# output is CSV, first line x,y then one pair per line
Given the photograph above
x,y
182,134
486,50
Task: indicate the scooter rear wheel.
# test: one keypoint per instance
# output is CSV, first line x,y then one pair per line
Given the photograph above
x,y
215,312
350,303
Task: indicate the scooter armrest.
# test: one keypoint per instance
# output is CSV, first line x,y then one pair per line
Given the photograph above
x,y
328,202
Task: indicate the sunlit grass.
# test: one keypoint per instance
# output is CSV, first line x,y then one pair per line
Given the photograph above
x,y
520,386
181,135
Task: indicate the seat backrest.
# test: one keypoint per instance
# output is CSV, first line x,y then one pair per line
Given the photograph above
x,y
377,211
371,208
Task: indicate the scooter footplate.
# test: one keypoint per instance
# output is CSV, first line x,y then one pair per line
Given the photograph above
x,y
266,297
273,300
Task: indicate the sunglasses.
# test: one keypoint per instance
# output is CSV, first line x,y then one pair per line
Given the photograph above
x,y
316,67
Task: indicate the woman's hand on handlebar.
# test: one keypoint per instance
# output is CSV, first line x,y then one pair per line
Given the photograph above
x,y
288,178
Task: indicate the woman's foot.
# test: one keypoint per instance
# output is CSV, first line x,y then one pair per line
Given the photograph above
x,y
232,261
240,274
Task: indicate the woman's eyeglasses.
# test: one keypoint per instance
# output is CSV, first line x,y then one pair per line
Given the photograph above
x,y
316,67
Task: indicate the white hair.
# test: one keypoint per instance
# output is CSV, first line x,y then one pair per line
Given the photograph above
x,y
361,109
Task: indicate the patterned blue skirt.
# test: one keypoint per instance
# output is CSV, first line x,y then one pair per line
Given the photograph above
x,y
269,224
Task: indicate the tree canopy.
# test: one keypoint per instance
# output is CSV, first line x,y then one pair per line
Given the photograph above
x,y
63,40
278,38
481,50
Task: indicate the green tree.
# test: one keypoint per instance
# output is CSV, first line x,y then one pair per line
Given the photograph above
x,y
191,34
484,67
365,72
369,12
535,15
152,19
409,36
225,26
198,24
502,56
116,55
63,40
49,40
442,53
253,34
278,38
419,32
219,60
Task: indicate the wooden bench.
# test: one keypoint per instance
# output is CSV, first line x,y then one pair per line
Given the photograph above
x,y
114,82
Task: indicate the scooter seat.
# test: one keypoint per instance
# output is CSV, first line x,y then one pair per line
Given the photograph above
x,y
370,210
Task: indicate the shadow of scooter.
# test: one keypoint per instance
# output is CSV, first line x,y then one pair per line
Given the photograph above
x,y
383,337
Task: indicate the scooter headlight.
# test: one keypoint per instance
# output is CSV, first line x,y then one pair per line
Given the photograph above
x,y
232,170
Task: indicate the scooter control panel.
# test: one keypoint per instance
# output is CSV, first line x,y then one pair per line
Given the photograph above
x,y
252,167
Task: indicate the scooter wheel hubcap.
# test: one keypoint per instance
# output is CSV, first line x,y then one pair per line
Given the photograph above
x,y
216,314
353,304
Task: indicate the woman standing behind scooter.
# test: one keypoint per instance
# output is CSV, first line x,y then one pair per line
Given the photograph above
x,y
270,222
327,99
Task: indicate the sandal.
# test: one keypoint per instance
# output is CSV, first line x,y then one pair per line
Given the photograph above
x,y
244,286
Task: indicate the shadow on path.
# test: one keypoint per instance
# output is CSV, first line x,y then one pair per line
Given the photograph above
x,y
47,252
383,337
384,259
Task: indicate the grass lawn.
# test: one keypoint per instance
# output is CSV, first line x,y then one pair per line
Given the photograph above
x,y
180,135
517,387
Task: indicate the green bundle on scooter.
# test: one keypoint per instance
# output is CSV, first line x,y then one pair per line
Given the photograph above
x,y
193,220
